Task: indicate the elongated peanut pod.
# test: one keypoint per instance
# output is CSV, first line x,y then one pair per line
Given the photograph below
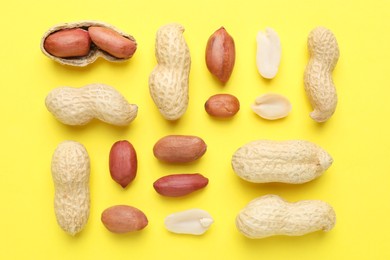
x,y
270,215
70,169
168,82
78,106
295,161
319,86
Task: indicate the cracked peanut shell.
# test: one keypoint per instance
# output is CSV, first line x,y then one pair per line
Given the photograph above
x,y
94,53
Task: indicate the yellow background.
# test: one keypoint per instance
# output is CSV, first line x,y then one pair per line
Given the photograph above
x,y
357,136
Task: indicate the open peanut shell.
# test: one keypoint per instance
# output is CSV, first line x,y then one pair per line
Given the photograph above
x,y
94,51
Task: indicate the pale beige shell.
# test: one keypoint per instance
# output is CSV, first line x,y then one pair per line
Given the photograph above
x,y
94,52
270,215
271,106
70,167
319,86
78,106
292,161
168,82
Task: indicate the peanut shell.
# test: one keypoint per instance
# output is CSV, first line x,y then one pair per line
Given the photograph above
x,y
270,215
320,89
94,52
169,80
292,161
78,106
70,167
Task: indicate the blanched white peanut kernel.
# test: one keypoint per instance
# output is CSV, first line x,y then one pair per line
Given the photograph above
x,y
271,215
271,106
292,161
192,222
269,52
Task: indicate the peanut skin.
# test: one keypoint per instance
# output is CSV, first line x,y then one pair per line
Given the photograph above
x,y
179,148
112,42
220,54
68,43
176,185
324,54
222,105
70,167
270,215
123,162
123,219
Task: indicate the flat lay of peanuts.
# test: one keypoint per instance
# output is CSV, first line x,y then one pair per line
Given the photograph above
x,y
196,130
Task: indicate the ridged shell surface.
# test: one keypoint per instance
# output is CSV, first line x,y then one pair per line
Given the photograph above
x,y
78,106
319,86
270,215
292,161
70,169
168,82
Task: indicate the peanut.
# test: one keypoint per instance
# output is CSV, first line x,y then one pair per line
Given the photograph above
x,y
220,54
112,42
271,106
177,185
319,86
70,169
269,53
192,222
179,148
270,215
123,162
74,106
222,105
68,43
168,82
294,161
123,219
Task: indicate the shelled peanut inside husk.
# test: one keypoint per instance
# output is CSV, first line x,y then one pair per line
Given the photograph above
x,y
81,43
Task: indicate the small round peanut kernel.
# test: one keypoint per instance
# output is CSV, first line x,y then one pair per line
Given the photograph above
x,y
222,105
